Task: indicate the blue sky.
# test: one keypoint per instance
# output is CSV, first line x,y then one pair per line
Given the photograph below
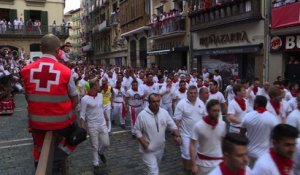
x,y
71,5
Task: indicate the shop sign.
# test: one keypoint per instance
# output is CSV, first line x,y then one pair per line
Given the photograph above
x,y
276,43
292,42
167,45
224,38
287,43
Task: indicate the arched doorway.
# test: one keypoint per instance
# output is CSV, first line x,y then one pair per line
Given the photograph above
x,y
133,53
143,52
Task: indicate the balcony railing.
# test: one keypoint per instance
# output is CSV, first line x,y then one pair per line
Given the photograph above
x,y
225,13
34,30
168,26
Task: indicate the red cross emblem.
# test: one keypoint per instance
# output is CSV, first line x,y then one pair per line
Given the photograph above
x,y
44,76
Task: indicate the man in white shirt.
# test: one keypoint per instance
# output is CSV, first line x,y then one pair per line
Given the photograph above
x,y
149,87
93,117
166,96
205,74
237,108
188,112
235,151
229,94
252,92
294,118
134,99
218,79
265,90
208,133
179,94
118,104
279,160
277,106
161,82
151,126
217,95
204,95
258,125
127,80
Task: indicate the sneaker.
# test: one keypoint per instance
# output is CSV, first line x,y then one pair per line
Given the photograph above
x,y
123,126
102,158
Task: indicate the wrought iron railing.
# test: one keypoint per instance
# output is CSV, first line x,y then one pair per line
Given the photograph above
x,y
33,30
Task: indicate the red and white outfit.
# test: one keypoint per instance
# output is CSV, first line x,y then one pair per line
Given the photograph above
x,y
149,88
259,125
135,104
119,109
222,169
188,114
217,96
209,137
179,95
293,103
264,93
237,108
92,112
273,164
281,110
167,98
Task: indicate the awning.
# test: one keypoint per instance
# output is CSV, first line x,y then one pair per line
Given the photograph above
x,y
229,50
285,16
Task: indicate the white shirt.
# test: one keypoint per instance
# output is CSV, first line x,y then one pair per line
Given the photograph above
x,y
259,127
235,109
263,92
177,96
91,110
294,119
126,83
217,171
266,166
118,95
217,96
284,110
140,81
251,99
153,128
189,114
135,97
149,89
230,93
218,79
166,93
293,103
297,158
288,96
160,85
209,141
205,75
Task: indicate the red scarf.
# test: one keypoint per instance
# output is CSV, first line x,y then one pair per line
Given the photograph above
x,y
104,87
211,122
260,110
149,83
284,165
242,103
118,87
276,106
182,90
199,86
294,94
226,171
255,89
298,106
92,95
174,81
188,82
213,91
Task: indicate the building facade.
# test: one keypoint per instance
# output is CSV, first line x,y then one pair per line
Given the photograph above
x,y
284,57
75,35
24,22
228,36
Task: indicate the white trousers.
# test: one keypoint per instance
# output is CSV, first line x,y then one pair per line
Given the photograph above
x,y
204,170
100,141
107,110
168,107
133,117
117,112
152,160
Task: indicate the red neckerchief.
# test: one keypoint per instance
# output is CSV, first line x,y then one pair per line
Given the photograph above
x,y
298,106
211,122
294,94
276,106
92,95
109,76
174,81
188,82
255,89
213,91
104,88
182,90
199,86
241,103
148,83
260,110
284,165
135,89
226,171
118,87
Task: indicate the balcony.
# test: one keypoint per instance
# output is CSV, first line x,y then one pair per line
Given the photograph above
x,y
26,31
101,27
228,12
286,16
87,47
169,27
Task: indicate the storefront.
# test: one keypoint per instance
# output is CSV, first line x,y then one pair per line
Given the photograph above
x,y
236,50
285,50
171,53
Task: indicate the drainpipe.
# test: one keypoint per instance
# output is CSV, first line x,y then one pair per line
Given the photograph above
x,y
267,40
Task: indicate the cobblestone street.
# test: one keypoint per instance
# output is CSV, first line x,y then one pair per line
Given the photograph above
x,y
122,157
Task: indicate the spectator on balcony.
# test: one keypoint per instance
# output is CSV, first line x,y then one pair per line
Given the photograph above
x,y
54,27
10,26
29,25
16,24
1,26
38,24
21,24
